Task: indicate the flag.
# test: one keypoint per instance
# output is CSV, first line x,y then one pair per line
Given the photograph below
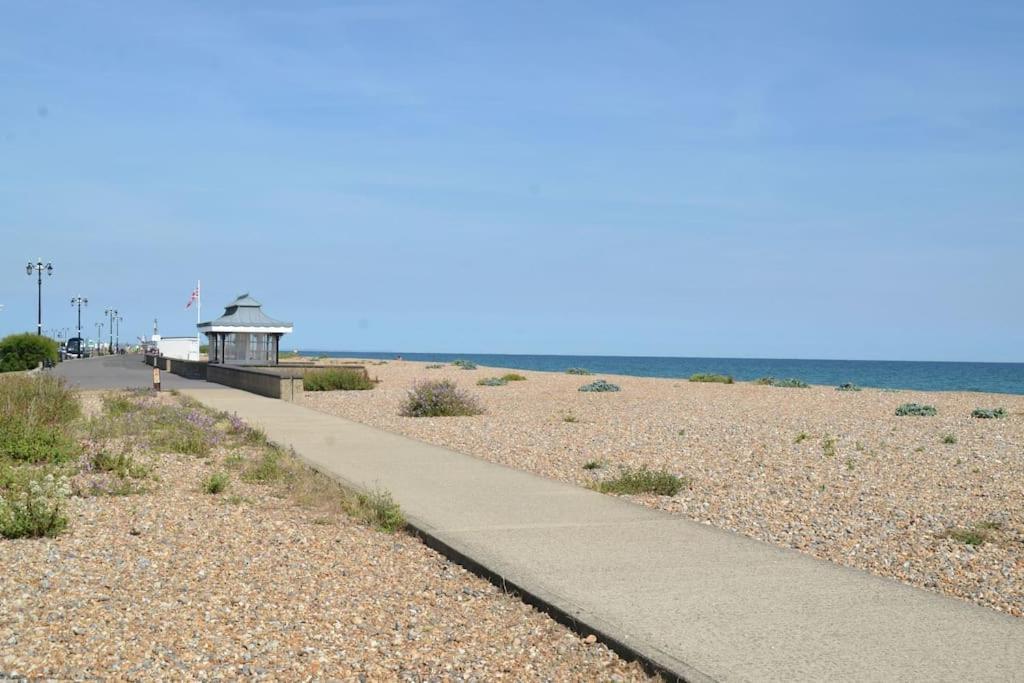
x,y
195,295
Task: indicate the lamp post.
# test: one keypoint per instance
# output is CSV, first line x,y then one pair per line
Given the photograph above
x,y
79,301
39,267
117,332
111,313
99,336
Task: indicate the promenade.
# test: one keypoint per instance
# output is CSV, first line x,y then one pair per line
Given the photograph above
x,y
702,603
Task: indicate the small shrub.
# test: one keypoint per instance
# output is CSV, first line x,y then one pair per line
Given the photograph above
x,y
34,510
216,483
121,464
434,366
336,379
801,437
765,381
492,382
949,439
578,371
593,465
513,377
828,446
26,351
643,480
116,405
35,416
988,413
720,379
464,364
973,536
848,386
440,398
916,410
378,509
268,468
600,386
790,383
570,417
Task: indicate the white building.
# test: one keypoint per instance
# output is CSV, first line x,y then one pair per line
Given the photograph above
x,y
182,348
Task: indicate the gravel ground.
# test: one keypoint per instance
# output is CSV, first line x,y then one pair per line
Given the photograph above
x,y
833,474
175,583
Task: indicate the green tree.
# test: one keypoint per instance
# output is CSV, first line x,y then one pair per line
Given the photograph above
x,y
26,351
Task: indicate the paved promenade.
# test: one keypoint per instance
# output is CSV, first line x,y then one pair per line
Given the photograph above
x,y
705,604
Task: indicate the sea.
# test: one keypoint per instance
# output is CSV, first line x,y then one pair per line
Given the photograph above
x,y
1002,378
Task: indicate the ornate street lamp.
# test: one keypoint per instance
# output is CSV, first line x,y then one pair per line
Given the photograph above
x,y
79,301
110,313
99,336
39,267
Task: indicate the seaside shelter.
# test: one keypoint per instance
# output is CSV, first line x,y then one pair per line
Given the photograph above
x,y
244,335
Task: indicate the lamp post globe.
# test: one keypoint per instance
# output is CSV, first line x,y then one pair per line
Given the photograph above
x,y
39,267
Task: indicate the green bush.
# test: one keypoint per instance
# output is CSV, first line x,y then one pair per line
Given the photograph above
x,y
848,386
765,381
268,468
644,480
440,398
578,371
949,439
35,413
34,509
26,351
988,413
492,382
379,509
216,483
513,377
720,379
121,464
464,364
790,383
916,410
434,366
335,379
600,386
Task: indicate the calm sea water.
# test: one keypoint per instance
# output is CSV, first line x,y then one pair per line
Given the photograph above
x,y
1006,378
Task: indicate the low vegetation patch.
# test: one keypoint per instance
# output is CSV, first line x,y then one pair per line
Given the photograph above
x,y
578,371
593,465
916,410
513,377
848,386
441,398
36,414
492,382
570,417
976,535
801,437
464,364
34,508
988,413
26,351
120,464
434,366
336,379
600,386
828,446
720,379
633,481
948,438
216,483
788,383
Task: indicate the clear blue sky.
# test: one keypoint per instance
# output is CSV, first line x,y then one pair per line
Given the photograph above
x,y
816,179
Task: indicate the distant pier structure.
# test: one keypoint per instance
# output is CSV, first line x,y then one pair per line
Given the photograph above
x,y
245,335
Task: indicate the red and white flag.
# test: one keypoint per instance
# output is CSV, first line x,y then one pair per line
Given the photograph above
x,y
195,295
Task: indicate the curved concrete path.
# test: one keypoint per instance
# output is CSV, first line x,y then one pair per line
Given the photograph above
x,y
699,602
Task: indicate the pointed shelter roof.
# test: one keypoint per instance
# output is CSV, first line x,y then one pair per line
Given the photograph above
x,y
245,314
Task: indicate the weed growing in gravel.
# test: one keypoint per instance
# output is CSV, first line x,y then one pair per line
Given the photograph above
x,y
949,438
719,379
36,413
118,404
764,381
216,483
916,409
434,366
790,383
599,386
644,480
988,413
464,364
441,398
120,464
492,382
848,386
578,371
973,536
34,509
828,446
801,437
378,509
336,379
267,468
849,464
593,465
513,377
570,417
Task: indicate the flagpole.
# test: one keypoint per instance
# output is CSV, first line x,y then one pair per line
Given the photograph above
x,y
199,315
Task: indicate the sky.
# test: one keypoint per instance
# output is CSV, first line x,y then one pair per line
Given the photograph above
x,y
710,178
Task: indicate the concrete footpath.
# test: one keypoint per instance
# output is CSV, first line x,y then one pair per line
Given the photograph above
x,y
701,603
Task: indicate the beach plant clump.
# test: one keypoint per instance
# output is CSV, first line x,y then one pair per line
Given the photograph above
x,y
988,413
848,386
600,385
464,364
631,481
336,379
764,381
949,439
439,398
216,483
35,418
789,383
492,382
916,410
719,379
434,366
513,377
34,507
26,351
578,371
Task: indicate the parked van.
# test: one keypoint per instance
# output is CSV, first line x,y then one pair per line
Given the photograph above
x,y
77,348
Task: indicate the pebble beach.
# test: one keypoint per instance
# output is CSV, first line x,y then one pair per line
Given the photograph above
x,y
935,502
